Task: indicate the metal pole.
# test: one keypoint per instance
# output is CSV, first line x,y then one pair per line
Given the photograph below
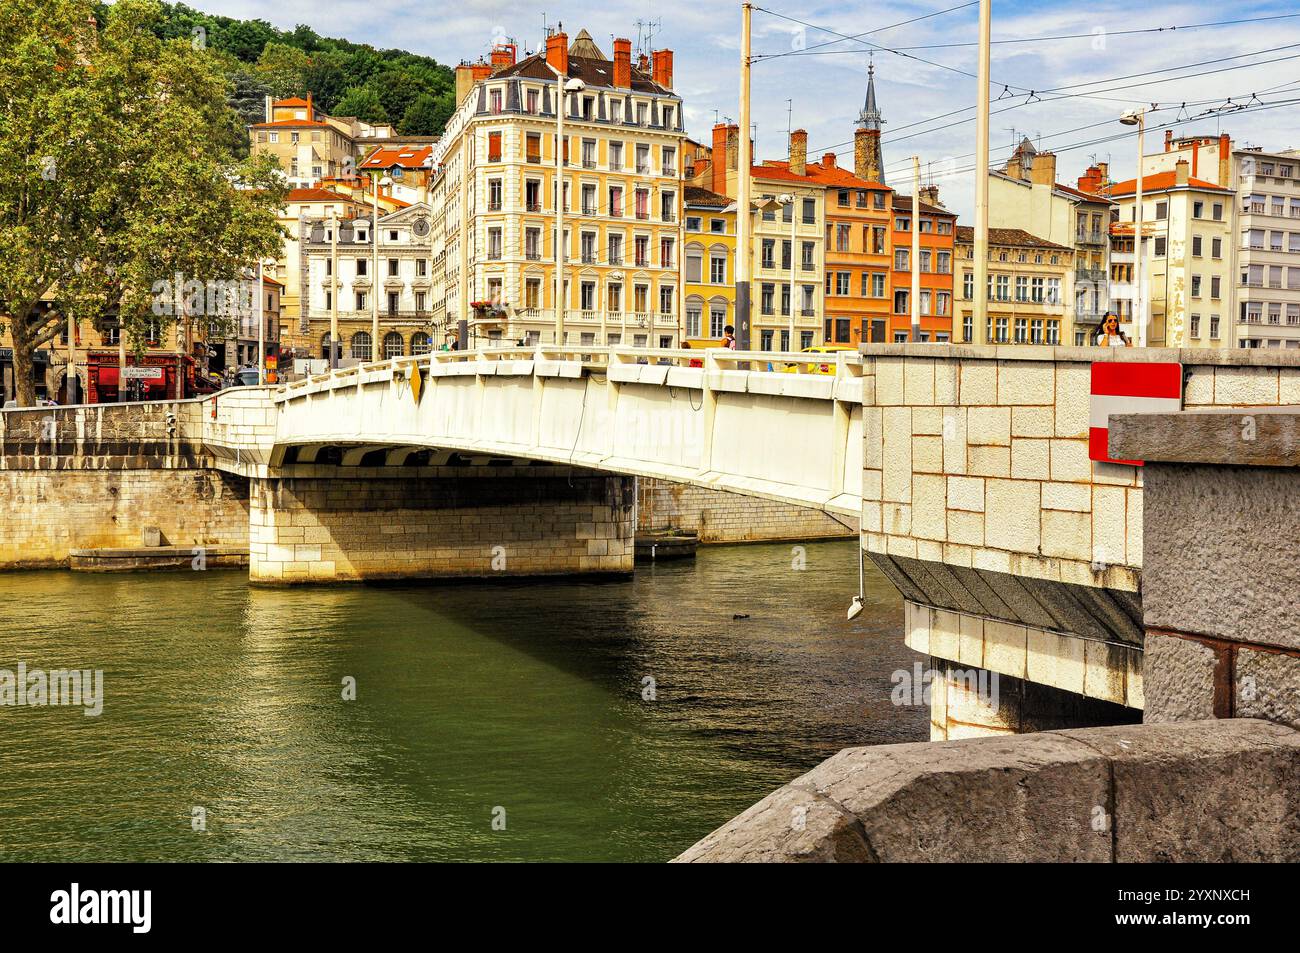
x,y
121,361
744,253
374,277
561,251
790,345
1139,295
916,248
261,329
334,292
980,304
70,376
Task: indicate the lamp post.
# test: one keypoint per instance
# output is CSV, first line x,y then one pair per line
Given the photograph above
x,y
916,248
1137,117
334,292
374,268
980,304
261,328
562,85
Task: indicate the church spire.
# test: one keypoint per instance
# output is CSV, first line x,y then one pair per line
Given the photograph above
x,y
867,161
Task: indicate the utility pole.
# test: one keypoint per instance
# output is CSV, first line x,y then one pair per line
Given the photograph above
x,y
561,248
916,248
261,329
744,253
334,292
790,204
980,304
374,272
70,378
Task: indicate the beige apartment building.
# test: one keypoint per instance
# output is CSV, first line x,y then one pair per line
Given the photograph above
x,y
1026,195
310,145
1267,247
495,198
1030,284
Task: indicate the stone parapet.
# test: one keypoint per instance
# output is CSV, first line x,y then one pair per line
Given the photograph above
x,y
1205,791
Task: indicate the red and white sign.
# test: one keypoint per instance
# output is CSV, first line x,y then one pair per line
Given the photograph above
x,y
1129,387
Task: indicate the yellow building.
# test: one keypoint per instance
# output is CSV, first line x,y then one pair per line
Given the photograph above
x,y
494,196
1028,290
709,264
310,145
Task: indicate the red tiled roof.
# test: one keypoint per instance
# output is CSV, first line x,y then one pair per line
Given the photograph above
x,y
291,101
386,157
1161,182
315,195
698,196
903,203
1008,236
818,173
284,123
1079,193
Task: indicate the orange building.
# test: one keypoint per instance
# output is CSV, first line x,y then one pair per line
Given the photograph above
x,y
857,302
938,233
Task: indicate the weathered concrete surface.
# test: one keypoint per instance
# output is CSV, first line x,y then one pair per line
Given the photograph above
x,y
1184,679
1221,548
1223,790
1267,686
1241,436
157,557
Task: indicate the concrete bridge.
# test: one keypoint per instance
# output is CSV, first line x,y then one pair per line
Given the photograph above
x,y
967,467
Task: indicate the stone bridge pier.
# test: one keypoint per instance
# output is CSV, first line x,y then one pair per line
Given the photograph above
x,y
313,523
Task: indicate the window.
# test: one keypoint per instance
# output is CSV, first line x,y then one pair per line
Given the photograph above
x,y
693,314
967,286
767,296
362,265
842,279
666,299
718,226
530,101
901,258
1216,248
361,346
692,223
842,235
1162,211
808,258
494,243
392,267
810,211
1214,326
878,284
901,305
967,327
1196,246
616,154
1160,247
494,147
1215,285
718,269
768,259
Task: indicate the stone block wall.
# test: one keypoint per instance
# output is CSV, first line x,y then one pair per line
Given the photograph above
x,y
49,512
431,522
718,516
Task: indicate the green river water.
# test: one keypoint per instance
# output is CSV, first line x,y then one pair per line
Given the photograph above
x,y
521,701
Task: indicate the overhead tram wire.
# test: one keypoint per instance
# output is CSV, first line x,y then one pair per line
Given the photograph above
x,y
814,51
892,26
1058,92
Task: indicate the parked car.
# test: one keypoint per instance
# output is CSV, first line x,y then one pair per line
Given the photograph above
x,y
245,378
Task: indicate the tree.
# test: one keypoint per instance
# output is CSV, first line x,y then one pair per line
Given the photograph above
x,y
427,115
362,102
282,68
116,173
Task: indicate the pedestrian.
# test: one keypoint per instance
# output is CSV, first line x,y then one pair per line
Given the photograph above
x,y
1108,333
729,337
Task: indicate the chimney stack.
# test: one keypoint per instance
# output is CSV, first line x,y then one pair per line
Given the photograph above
x,y
1169,140
799,151
502,56
622,64
1180,172
663,68
557,51
930,195
1043,171
643,63
1225,159
828,160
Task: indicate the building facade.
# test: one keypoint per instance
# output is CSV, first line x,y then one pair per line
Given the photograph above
x,y
494,190
1267,312
709,262
309,145
1028,288
937,239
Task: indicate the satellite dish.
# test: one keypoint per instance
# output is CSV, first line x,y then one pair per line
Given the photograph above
x,y
420,227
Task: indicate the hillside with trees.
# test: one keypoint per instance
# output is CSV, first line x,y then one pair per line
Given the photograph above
x,y
415,93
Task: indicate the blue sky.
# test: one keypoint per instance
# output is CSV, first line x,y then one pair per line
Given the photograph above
x,y
827,87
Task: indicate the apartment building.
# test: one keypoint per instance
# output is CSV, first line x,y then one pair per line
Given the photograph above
x,y
858,256
1267,312
311,145
709,262
1026,195
1028,288
938,228
1187,249
495,181
338,279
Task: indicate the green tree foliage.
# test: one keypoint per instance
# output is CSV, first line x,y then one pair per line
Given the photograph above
x,y
428,114
293,63
116,172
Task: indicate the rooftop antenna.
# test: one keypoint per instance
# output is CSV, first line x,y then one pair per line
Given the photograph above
x,y
1015,141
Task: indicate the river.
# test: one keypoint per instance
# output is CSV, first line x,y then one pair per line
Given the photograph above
x,y
492,720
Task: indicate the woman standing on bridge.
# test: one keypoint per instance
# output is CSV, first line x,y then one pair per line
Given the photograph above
x,y
1108,333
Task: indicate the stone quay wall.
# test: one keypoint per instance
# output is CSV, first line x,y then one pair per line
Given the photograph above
x,y
718,516
434,522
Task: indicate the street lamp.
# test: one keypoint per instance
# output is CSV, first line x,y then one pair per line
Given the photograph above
x,y
563,85
1137,117
374,267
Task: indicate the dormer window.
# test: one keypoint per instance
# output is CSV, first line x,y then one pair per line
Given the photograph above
x,y
494,100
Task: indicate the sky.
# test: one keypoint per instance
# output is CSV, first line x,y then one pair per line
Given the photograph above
x,y
803,77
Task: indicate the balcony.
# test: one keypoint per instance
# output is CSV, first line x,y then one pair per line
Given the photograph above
x,y
533,207
534,159
615,259
588,163
1091,237
643,215
808,312
588,209
1094,275
532,255
588,258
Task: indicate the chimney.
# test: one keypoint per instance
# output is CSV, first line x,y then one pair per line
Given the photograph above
x,y
1104,169
1180,172
828,160
1013,167
733,147
268,109
1043,171
1225,160
799,151
557,51
663,68
311,113
481,71
930,195
503,56
718,159
1090,181
643,63
1169,140
623,64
